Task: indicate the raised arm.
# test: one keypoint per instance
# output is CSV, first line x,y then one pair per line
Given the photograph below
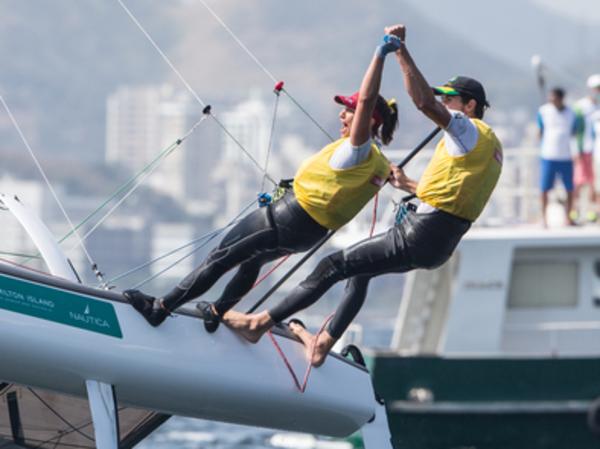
x,y
416,86
360,131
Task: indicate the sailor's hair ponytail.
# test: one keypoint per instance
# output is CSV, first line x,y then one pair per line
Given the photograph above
x,y
388,110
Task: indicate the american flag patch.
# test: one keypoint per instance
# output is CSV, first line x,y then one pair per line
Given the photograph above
x,y
376,180
498,155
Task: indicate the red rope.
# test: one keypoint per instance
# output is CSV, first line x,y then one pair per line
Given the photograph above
x,y
286,361
300,387
10,262
268,273
374,217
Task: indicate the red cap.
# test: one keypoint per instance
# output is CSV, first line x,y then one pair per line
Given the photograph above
x,y
351,102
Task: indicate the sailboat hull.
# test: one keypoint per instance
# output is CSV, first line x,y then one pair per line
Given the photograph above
x,y
55,334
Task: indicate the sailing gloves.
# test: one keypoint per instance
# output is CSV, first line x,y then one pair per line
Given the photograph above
x,y
390,44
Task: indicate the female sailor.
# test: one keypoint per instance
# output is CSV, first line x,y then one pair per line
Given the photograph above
x,y
329,189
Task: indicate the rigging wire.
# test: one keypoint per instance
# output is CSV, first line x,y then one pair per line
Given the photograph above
x,y
58,415
66,433
276,91
162,155
161,257
139,181
185,256
10,262
58,441
168,150
165,255
53,192
239,42
189,87
312,119
149,166
260,64
30,256
161,53
9,442
239,144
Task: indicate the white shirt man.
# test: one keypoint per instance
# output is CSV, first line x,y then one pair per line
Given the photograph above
x,y
557,124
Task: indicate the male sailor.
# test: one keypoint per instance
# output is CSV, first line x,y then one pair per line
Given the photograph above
x,y
453,191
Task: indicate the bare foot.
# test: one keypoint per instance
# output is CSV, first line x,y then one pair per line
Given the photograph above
x,y
316,350
251,327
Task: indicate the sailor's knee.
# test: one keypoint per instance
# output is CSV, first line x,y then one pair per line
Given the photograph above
x,y
357,283
249,269
330,269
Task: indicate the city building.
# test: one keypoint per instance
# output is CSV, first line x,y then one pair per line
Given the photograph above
x,y
167,237
249,122
142,121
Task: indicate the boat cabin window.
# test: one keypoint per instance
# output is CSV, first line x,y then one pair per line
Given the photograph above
x,y
543,283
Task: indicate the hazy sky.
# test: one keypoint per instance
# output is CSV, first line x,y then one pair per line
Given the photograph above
x,y
584,10
565,33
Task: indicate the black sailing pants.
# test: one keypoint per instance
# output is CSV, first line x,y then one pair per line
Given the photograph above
x,y
264,235
419,241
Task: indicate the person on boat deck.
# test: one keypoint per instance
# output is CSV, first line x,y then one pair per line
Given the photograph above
x,y
588,157
557,123
329,189
453,190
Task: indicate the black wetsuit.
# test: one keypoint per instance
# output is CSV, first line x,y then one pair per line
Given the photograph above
x,y
266,234
419,241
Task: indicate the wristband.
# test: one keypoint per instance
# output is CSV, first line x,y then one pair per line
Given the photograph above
x,y
390,44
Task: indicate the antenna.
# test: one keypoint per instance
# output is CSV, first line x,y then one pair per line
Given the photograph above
x,y
539,71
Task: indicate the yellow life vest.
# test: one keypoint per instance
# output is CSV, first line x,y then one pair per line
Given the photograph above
x,y
462,185
332,197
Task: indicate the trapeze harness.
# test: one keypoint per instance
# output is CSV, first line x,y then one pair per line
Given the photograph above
x,y
454,189
322,198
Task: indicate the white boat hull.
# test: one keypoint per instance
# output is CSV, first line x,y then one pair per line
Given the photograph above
x,y
55,335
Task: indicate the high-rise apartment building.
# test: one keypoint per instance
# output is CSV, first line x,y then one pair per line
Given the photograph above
x,y
141,121
249,122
